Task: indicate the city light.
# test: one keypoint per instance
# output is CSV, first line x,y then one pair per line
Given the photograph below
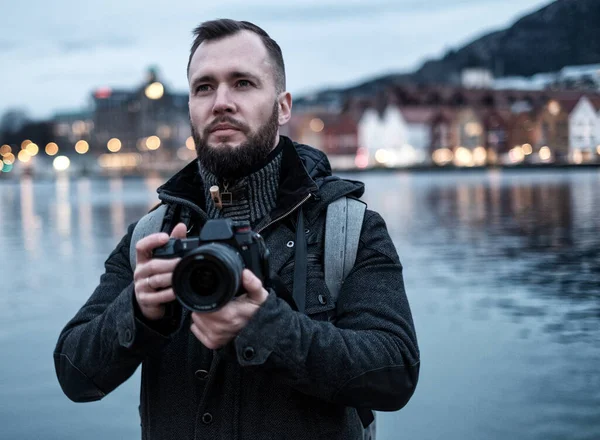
x,y
598,149
442,156
24,156
121,160
103,93
114,145
25,143
155,91
516,155
32,149
473,129
316,125
6,168
51,149
554,107
577,157
79,128
1,165
153,143
382,156
61,163
362,158
9,158
545,154
5,149
190,145
82,147
479,156
463,157
527,149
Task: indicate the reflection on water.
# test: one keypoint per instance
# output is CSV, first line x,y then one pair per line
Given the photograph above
x,y
84,213
502,271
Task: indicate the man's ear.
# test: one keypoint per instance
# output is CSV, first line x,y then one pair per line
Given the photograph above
x,y
284,101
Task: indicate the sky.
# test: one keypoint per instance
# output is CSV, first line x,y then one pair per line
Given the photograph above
x,y
53,54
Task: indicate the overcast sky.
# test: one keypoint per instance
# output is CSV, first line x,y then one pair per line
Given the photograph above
x,y
54,53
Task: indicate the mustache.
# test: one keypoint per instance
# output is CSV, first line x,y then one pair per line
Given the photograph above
x,y
226,120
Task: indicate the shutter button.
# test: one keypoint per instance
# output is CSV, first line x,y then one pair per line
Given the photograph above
x,y
207,418
290,244
201,374
249,353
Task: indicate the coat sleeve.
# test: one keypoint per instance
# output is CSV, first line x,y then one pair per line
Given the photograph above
x,y
368,358
104,343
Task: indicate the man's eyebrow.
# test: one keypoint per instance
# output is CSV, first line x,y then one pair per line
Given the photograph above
x,y
237,75
231,76
202,79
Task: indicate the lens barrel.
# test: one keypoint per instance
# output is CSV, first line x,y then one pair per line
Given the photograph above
x,y
208,277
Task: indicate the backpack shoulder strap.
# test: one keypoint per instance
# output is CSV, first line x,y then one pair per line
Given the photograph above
x,y
343,225
148,224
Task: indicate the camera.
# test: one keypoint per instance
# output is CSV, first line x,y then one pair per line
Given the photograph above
x,y
209,274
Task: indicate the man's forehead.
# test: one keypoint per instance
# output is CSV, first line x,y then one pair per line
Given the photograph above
x,y
244,49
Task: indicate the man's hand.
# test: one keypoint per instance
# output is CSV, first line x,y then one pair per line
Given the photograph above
x,y
152,276
216,329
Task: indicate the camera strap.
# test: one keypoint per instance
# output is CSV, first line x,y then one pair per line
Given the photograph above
x,y
300,264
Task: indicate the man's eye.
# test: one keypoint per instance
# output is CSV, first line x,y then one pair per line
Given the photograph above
x,y
202,88
244,83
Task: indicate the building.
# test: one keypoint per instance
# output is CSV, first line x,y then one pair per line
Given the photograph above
x,y
584,131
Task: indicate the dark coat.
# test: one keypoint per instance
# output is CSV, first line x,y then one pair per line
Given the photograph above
x,y
286,375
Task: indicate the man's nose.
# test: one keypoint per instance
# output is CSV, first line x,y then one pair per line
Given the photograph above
x,y
223,101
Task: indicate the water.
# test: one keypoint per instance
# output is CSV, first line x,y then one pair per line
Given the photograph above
x,y
502,269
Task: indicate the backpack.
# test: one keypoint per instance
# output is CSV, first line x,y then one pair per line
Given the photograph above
x,y
343,225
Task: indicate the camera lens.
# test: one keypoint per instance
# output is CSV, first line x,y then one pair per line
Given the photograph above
x,y
208,277
203,280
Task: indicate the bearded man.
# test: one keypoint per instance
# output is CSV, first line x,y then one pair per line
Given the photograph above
x,y
258,367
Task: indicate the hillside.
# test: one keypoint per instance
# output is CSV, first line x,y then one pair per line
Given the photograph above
x,y
564,33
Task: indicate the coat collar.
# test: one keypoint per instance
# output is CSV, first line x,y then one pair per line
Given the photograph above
x,y
295,184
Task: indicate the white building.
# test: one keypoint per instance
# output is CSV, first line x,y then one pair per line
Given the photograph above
x,y
584,130
393,139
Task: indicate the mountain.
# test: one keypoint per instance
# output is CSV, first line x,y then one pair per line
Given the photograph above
x,y
564,33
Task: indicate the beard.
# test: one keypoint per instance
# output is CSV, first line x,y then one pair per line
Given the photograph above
x,y
226,161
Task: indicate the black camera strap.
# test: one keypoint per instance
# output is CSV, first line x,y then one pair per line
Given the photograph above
x,y
300,264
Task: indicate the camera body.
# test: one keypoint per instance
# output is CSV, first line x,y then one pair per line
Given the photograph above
x,y
209,274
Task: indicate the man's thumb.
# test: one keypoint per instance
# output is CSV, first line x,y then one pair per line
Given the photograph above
x,y
179,231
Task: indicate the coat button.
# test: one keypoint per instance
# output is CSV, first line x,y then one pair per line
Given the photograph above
x,y
201,374
127,336
249,353
322,300
290,244
207,418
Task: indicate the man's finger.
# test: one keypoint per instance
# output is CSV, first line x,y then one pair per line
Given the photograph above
x,y
254,287
146,245
149,299
155,267
179,231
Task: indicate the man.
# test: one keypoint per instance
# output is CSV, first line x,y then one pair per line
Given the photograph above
x,y
256,368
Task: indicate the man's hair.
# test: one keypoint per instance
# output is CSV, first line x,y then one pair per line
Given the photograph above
x,y
217,29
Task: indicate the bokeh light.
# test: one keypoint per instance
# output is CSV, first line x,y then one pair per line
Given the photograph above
x,y
190,145
32,149
114,145
82,147
51,149
24,156
153,143
61,163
